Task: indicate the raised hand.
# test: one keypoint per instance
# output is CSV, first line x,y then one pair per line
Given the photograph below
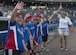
x,y
60,7
45,12
20,5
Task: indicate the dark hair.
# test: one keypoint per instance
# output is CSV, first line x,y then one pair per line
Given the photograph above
x,y
22,14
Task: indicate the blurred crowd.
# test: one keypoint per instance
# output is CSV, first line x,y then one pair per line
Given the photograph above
x,y
6,10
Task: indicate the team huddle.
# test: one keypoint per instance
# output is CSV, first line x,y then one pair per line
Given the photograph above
x,y
27,33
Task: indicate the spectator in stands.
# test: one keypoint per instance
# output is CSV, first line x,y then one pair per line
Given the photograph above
x,y
1,12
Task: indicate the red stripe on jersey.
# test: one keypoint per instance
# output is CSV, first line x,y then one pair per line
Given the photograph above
x,y
10,42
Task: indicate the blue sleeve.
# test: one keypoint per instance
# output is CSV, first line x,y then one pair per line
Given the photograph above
x,y
12,23
47,21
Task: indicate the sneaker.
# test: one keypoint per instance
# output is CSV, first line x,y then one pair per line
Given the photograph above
x,y
40,53
62,49
66,49
43,49
46,49
33,53
37,53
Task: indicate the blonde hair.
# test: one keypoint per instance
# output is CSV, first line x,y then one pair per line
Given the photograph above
x,y
65,13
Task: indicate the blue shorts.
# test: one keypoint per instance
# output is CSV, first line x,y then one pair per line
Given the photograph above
x,y
40,39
